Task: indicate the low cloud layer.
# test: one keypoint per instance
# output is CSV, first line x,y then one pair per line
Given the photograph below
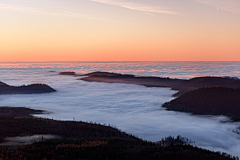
x,y
131,108
23,140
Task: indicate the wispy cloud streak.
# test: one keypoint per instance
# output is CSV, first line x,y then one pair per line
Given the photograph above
x,y
139,7
38,11
12,7
227,5
63,14
96,18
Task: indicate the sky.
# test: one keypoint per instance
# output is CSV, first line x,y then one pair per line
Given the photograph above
x,y
119,30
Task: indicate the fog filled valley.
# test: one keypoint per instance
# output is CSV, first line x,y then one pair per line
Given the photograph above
x,y
131,108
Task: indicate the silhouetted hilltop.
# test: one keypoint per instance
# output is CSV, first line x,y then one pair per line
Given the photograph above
x,y
209,101
111,75
147,81
100,73
25,89
231,82
199,82
68,73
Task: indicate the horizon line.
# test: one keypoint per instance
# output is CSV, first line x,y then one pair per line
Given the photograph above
x,y
107,61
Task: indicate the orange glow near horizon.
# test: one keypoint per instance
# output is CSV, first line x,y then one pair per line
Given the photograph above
x,y
113,32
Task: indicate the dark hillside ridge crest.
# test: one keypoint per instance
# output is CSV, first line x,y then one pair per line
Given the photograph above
x,y
68,73
25,89
180,85
209,101
19,112
124,76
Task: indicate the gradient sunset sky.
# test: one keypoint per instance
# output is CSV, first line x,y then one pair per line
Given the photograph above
x,y
119,30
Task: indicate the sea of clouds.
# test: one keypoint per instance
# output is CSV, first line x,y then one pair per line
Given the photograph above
x,y
132,108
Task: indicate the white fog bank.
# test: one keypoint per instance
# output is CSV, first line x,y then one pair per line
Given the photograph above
x,y
131,108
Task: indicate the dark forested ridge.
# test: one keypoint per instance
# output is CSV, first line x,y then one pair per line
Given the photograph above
x,y
25,89
209,101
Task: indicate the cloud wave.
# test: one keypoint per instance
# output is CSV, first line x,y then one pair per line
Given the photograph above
x,y
63,14
147,9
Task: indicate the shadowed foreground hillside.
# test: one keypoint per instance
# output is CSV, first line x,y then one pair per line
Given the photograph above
x,y
107,149
17,126
25,89
81,140
209,101
20,112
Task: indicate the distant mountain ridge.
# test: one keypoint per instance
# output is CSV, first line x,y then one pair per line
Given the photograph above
x,y
180,85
